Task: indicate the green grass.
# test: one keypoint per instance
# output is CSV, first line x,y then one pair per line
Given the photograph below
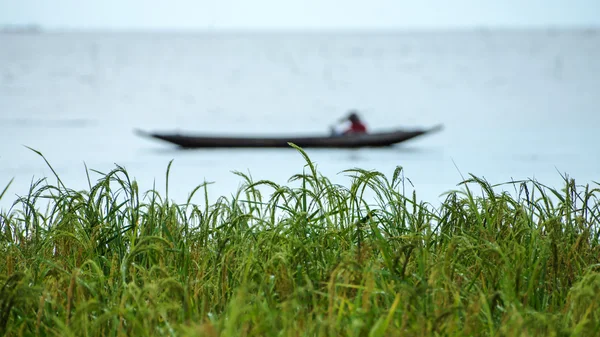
x,y
311,260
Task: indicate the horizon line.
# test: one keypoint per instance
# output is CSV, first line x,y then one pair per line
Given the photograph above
x,y
36,28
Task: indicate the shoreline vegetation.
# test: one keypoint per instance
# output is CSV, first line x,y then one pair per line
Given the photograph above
x,y
313,260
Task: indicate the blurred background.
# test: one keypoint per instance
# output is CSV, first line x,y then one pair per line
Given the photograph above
x,y
515,83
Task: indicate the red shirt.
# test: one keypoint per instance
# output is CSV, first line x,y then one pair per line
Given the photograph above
x,y
357,127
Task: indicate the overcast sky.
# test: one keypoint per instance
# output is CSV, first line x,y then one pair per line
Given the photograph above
x,y
294,14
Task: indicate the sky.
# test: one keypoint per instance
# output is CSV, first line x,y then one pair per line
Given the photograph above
x,y
298,14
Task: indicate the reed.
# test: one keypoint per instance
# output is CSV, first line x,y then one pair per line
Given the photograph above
x,y
317,259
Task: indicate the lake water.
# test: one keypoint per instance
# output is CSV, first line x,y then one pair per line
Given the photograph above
x,y
514,104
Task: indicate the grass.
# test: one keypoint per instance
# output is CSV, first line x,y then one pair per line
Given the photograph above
x,y
312,260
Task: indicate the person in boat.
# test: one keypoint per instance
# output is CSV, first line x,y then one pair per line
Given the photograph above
x,y
356,125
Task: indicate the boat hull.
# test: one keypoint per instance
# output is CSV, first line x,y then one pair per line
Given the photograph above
x,y
380,139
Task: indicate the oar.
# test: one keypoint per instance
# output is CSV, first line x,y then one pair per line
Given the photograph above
x,y
340,120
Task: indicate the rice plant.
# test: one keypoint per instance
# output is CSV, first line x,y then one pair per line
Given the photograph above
x,y
318,259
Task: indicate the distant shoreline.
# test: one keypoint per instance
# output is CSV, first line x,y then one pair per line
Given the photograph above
x,y
36,29
21,29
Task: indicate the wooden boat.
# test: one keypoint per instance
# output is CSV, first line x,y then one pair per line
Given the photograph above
x,y
376,139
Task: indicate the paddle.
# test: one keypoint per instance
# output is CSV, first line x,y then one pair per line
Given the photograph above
x,y
332,127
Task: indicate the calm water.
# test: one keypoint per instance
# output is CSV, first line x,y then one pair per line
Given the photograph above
x,y
514,104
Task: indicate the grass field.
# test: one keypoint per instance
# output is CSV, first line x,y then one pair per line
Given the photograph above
x,y
317,259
